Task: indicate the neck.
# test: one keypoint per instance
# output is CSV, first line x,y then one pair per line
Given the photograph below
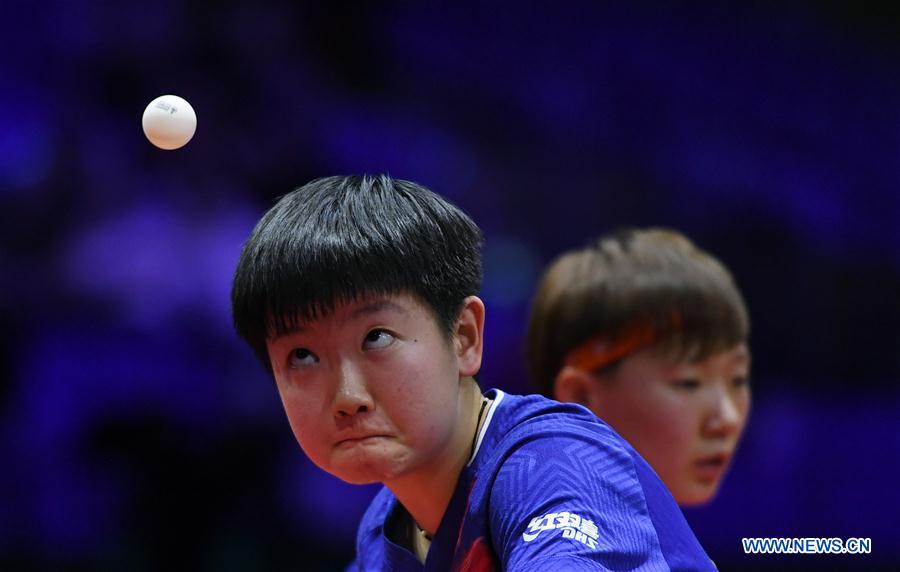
x,y
426,493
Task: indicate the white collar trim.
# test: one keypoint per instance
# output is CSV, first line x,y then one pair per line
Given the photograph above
x,y
487,422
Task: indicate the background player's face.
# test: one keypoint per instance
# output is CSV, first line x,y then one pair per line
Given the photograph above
x,y
684,418
371,390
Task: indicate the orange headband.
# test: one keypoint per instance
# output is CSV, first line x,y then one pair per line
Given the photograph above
x,y
599,351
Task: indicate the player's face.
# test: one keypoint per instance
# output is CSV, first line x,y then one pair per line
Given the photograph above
x,y
371,390
684,418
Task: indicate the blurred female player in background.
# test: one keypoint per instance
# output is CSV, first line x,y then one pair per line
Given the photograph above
x,y
650,333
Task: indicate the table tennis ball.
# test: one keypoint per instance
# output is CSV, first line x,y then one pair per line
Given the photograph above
x,y
169,122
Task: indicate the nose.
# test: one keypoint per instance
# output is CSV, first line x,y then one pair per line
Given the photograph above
x,y
724,417
352,393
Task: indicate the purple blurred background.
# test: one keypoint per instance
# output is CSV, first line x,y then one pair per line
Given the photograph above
x,y
138,433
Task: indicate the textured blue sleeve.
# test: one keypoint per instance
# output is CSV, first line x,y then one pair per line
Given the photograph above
x,y
566,499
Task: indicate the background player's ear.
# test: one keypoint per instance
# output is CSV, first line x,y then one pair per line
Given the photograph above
x,y
469,336
574,385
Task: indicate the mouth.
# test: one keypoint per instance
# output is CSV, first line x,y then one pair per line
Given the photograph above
x,y
710,469
358,440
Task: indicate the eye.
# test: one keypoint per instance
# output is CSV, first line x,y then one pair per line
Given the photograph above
x,y
378,339
301,357
740,382
686,384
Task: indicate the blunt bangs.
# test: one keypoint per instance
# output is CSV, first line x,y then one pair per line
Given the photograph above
x,y
338,239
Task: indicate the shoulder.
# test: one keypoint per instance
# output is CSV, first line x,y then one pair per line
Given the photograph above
x,y
514,410
563,483
542,447
557,446
553,429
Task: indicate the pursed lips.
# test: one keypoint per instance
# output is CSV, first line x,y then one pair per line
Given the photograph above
x,y
355,438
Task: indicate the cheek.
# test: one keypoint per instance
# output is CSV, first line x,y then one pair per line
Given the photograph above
x,y
641,417
299,411
663,425
660,410
420,396
743,404
745,399
672,437
297,419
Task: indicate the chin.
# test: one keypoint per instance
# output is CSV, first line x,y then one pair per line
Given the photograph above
x,y
356,479
692,502
358,475
366,472
349,472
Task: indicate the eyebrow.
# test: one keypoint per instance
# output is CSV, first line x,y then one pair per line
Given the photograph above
x,y
363,311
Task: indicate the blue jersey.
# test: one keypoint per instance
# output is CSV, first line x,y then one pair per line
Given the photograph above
x,y
549,487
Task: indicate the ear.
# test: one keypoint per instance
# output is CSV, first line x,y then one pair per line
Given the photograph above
x,y
469,336
575,385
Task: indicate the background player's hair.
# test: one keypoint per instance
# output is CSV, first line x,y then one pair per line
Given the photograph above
x,y
654,279
338,238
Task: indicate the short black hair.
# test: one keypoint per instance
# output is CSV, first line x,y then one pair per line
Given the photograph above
x,y
337,239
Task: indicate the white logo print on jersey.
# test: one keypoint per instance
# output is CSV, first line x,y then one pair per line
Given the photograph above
x,y
571,525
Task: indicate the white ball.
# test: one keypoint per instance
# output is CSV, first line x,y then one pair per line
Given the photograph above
x,y
169,122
